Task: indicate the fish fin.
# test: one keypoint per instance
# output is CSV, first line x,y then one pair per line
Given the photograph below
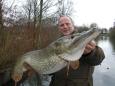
x,y
75,64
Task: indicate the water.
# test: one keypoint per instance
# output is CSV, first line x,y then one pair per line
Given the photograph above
x,y
104,74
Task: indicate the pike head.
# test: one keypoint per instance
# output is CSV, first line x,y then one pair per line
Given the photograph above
x,y
71,47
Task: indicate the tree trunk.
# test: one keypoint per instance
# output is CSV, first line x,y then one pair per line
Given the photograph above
x,y
1,23
39,40
2,36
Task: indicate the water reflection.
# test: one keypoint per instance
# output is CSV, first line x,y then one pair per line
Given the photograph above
x,y
100,38
104,74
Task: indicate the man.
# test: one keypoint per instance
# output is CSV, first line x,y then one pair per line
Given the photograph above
x,y
79,72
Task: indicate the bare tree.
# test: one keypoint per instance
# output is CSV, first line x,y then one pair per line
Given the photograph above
x,y
1,23
28,11
64,7
60,7
2,33
35,13
39,42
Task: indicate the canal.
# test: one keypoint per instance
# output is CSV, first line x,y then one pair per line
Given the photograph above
x,y
104,74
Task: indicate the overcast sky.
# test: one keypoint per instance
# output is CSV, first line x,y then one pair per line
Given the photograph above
x,y
90,11
98,11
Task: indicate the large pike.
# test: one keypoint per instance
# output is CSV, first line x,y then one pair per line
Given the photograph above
x,y
55,56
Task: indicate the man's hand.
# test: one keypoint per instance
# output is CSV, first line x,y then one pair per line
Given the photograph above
x,y
89,47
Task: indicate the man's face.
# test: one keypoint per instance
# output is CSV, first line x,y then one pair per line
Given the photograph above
x,y
65,25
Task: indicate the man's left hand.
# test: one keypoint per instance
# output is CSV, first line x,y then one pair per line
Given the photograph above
x,y
89,47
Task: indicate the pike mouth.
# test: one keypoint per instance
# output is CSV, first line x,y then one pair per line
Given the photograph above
x,y
78,38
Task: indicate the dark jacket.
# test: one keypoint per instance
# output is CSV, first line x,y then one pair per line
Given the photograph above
x,y
81,76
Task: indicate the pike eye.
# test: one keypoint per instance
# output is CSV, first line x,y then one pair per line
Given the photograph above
x,y
72,37
57,44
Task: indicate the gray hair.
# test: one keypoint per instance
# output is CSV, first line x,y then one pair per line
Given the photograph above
x,y
65,16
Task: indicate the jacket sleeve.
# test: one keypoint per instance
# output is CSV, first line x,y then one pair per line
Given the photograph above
x,y
94,58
